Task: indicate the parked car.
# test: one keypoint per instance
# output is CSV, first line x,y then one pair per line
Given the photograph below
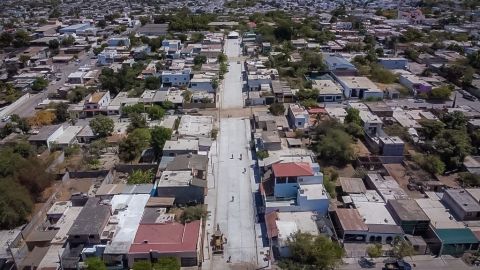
x,y
6,118
419,100
470,97
366,263
397,265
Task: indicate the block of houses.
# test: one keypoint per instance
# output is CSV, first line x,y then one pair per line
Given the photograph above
x,y
359,87
295,186
202,82
393,62
127,212
183,186
46,136
462,205
328,91
415,84
176,78
255,81
107,57
96,103
408,214
155,240
88,227
180,147
193,126
118,42
382,228
298,117
281,225
76,78
339,65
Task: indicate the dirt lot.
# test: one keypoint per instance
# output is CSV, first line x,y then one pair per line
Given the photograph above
x,y
399,172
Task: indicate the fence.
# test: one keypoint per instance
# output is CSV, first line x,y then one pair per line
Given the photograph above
x,y
129,168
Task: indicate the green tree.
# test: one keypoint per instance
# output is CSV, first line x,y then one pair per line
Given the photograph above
x,y
95,263
187,95
131,147
21,38
155,112
199,60
39,84
382,75
305,94
335,146
314,251
375,250
152,83
167,263
15,204
142,265
61,112
68,41
277,109
262,154
144,20
440,93
402,248
136,121
431,128
452,146
6,39
283,32
140,177
77,94
168,105
102,126
353,116
469,179
455,120
159,136
430,163
192,213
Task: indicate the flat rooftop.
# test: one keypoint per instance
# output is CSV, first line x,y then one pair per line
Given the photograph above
x,y
407,210
175,178
195,126
350,219
463,199
439,216
374,213
128,211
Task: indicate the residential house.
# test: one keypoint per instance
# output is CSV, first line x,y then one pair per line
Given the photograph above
x,y
415,84
393,62
155,240
462,204
96,103
176,78
359,87
180,147
89,225
298,116
118,42
46,136
408,214
182,185
295,186
339,65
328,91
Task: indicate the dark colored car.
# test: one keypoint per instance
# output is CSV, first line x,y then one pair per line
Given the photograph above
x,y
397,265
366,263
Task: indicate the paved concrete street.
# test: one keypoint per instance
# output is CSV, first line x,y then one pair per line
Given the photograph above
x,y
231,96
230,197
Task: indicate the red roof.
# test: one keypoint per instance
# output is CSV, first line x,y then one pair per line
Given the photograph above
x,y
271,222
166,238
290,169
317,111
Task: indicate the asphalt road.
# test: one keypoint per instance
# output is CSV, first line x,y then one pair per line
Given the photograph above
x,y
27,109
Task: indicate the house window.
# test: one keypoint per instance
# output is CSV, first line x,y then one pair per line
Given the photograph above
x,y
299,124
281,180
